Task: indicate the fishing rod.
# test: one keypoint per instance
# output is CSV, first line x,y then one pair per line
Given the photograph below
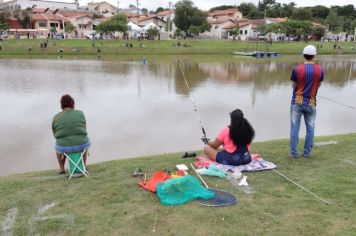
x,y
204,138
340,103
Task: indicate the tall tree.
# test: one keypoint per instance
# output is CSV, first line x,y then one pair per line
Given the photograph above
x,y
265,5
319,12
302,14
23,17
222,7
333,21
159,9
144,11
246,8
287,9
187,15
4,16
116,23
347,10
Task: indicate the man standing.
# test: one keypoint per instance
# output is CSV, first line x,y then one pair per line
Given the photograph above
x,y
306,80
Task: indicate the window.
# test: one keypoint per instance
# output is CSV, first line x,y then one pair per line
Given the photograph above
x,y
216,27
245,31
241,31
53,25
42,24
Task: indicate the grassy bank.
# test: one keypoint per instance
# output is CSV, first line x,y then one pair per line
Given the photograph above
x,y
111,203
156,47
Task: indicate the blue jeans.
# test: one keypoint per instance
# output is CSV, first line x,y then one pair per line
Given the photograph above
x,y
71,149
309,113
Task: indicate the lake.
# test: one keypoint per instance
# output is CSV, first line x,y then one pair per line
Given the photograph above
x,y
136,109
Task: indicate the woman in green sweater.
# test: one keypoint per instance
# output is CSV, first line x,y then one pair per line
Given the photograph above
x,y
69,130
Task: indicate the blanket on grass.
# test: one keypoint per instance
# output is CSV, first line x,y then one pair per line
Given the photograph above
x,y
256,164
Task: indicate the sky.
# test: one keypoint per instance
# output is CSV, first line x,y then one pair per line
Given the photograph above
x,y
207,4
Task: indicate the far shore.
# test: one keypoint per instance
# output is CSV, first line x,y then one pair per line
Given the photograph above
x,y
162,47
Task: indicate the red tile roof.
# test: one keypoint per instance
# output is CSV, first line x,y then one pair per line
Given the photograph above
x,y
220,21
230,26
223,12
244,23
165,13
75,14
14,24
142,18
46,16
278,19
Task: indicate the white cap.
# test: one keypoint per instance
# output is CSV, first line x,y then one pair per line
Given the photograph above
x,y
309,50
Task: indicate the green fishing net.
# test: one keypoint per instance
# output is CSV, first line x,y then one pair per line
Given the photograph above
x,y
181,190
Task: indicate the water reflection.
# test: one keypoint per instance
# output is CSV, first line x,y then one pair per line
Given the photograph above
x,y
135,109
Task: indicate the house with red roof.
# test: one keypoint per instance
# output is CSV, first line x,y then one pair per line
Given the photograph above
x,y
232,13
46,21
221,28
144,20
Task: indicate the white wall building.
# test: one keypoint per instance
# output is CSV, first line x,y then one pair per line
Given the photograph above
x,y
219,28
168,17
103,8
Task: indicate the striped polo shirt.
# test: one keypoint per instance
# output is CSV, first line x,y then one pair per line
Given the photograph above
x,y
307,77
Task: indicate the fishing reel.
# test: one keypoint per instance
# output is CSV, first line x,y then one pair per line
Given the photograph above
x,y
205,140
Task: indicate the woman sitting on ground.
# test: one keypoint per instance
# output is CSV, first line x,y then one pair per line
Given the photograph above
x,y
236,139
69,129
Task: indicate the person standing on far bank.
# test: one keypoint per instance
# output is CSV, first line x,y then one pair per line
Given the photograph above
x,y
306,79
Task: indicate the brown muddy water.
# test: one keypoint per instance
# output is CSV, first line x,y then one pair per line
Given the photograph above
x,y
135,109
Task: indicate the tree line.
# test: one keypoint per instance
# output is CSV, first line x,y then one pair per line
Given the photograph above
x,y
336,18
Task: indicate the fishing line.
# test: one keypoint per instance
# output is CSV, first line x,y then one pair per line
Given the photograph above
x,y
340,103
305,189
155,205
350,162
204,138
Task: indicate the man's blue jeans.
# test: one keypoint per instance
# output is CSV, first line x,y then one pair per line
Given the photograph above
x,y
309,113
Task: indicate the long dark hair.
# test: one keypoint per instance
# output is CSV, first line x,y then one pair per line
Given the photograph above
x,y
241,131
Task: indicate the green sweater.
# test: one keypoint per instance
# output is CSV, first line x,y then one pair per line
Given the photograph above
x,y
69,128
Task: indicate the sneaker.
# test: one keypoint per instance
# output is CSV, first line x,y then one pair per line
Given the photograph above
x,y
193,154
293,157
306,156
62,172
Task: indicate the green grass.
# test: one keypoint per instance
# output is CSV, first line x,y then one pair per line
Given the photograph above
x,y
156,47
111,203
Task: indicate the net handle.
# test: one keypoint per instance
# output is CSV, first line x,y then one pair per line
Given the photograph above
x,y
199,176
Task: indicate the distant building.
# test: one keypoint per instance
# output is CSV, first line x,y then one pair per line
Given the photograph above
x,y
146,20
232,13
219,28
82,21
45,22
23,4
168,16
102,8
132,10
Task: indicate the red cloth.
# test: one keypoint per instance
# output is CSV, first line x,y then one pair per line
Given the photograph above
x,y
151,184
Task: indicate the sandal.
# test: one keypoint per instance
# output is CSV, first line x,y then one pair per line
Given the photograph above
x,y
137,172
